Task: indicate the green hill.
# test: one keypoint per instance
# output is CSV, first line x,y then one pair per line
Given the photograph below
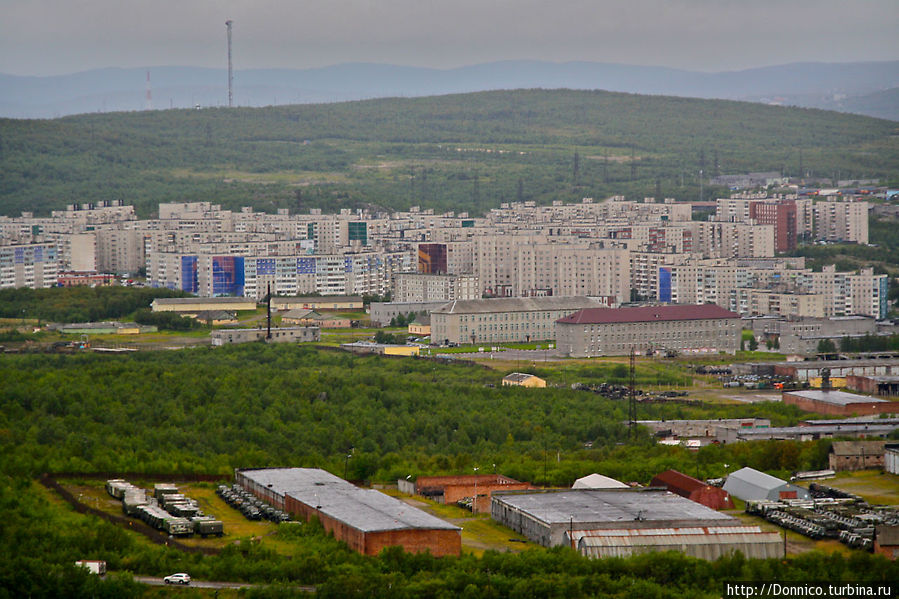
x,y
457,152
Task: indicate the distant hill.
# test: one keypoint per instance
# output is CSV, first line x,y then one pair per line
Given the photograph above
x,y
838,86
462,152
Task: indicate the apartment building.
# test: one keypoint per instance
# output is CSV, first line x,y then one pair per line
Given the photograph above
x,y
843,221
418,287
32,265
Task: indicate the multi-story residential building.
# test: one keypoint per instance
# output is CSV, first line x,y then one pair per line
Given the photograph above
x,y
841,221
33,265
418,287
502,319
683,329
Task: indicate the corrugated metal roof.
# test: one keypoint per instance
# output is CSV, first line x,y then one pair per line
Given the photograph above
x,y
515,304
756,478
363,509
648,314
598,507
678,480
854,448
757,544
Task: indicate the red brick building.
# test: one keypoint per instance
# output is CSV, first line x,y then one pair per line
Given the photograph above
x,y
450,489
839,403
693,489
366,520
782,215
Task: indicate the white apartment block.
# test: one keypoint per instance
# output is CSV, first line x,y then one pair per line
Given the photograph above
x,y
420,287
841,221
31,265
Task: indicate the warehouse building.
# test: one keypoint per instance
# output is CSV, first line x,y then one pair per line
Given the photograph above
x,y
452,489
809,433
805,371
749,484
697,329
561,517
856,455
598,481
887,386
838,403
195,305
366,520
325,302
512,319
693,489
707,542
278,335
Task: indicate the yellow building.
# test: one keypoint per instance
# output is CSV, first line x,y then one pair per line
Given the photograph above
x,y
522,379
194,305
334,302
421,326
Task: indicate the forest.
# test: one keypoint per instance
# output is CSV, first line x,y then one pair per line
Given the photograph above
x,y
464,152
205,410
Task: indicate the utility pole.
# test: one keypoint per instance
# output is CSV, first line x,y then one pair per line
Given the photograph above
x,y
230,69
632,401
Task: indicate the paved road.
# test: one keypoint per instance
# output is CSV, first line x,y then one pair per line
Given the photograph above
x,y
201,584
208,584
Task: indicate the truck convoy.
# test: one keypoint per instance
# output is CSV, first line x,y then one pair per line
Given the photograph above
x,y
164,509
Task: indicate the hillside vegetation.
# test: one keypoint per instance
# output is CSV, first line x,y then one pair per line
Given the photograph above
x,y
457,152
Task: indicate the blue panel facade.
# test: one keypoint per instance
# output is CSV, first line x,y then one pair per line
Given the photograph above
x,y
189,281
665,284
884,302
228,275
306,266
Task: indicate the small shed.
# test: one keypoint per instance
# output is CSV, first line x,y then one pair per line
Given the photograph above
x,y
693,489
856,455
216,317
598,481
749,484
523,379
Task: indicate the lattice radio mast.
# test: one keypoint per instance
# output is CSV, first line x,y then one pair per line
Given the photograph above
x,y
230,69
149,93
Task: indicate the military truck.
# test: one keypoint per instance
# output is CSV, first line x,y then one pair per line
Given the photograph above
x,y
207,525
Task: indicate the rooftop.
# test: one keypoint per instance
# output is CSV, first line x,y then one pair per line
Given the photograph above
x,y
202,300
757,478
613,507
363,509
514,304
838,398
648,314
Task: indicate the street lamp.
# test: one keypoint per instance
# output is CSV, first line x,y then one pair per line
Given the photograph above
x,y
347,461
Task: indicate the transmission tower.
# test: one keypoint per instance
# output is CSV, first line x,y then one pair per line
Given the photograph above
x,y
149,93
230,70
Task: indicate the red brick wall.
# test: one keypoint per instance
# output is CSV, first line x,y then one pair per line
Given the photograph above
x,y
861,408
438,542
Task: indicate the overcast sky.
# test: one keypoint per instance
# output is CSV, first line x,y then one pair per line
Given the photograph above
x,y
49,37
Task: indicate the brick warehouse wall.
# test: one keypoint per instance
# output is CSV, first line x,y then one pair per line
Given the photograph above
x,y
437,542
820,407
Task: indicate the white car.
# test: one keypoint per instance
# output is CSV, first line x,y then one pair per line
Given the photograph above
x,y
179,578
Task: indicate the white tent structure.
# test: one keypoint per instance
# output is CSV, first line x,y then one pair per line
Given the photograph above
x,y
598,481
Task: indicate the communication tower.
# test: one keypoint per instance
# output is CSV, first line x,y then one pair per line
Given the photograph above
x,y
230,71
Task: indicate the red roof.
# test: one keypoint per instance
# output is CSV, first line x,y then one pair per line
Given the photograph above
x,y
647,314
678,480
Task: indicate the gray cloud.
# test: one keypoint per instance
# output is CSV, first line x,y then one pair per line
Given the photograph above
x,y
40,37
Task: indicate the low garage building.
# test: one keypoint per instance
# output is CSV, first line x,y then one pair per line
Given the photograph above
x,y
856,455
838,403
366,520
750,484
628,521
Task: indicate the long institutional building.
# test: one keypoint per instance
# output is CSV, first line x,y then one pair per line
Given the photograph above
x,y
614,249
